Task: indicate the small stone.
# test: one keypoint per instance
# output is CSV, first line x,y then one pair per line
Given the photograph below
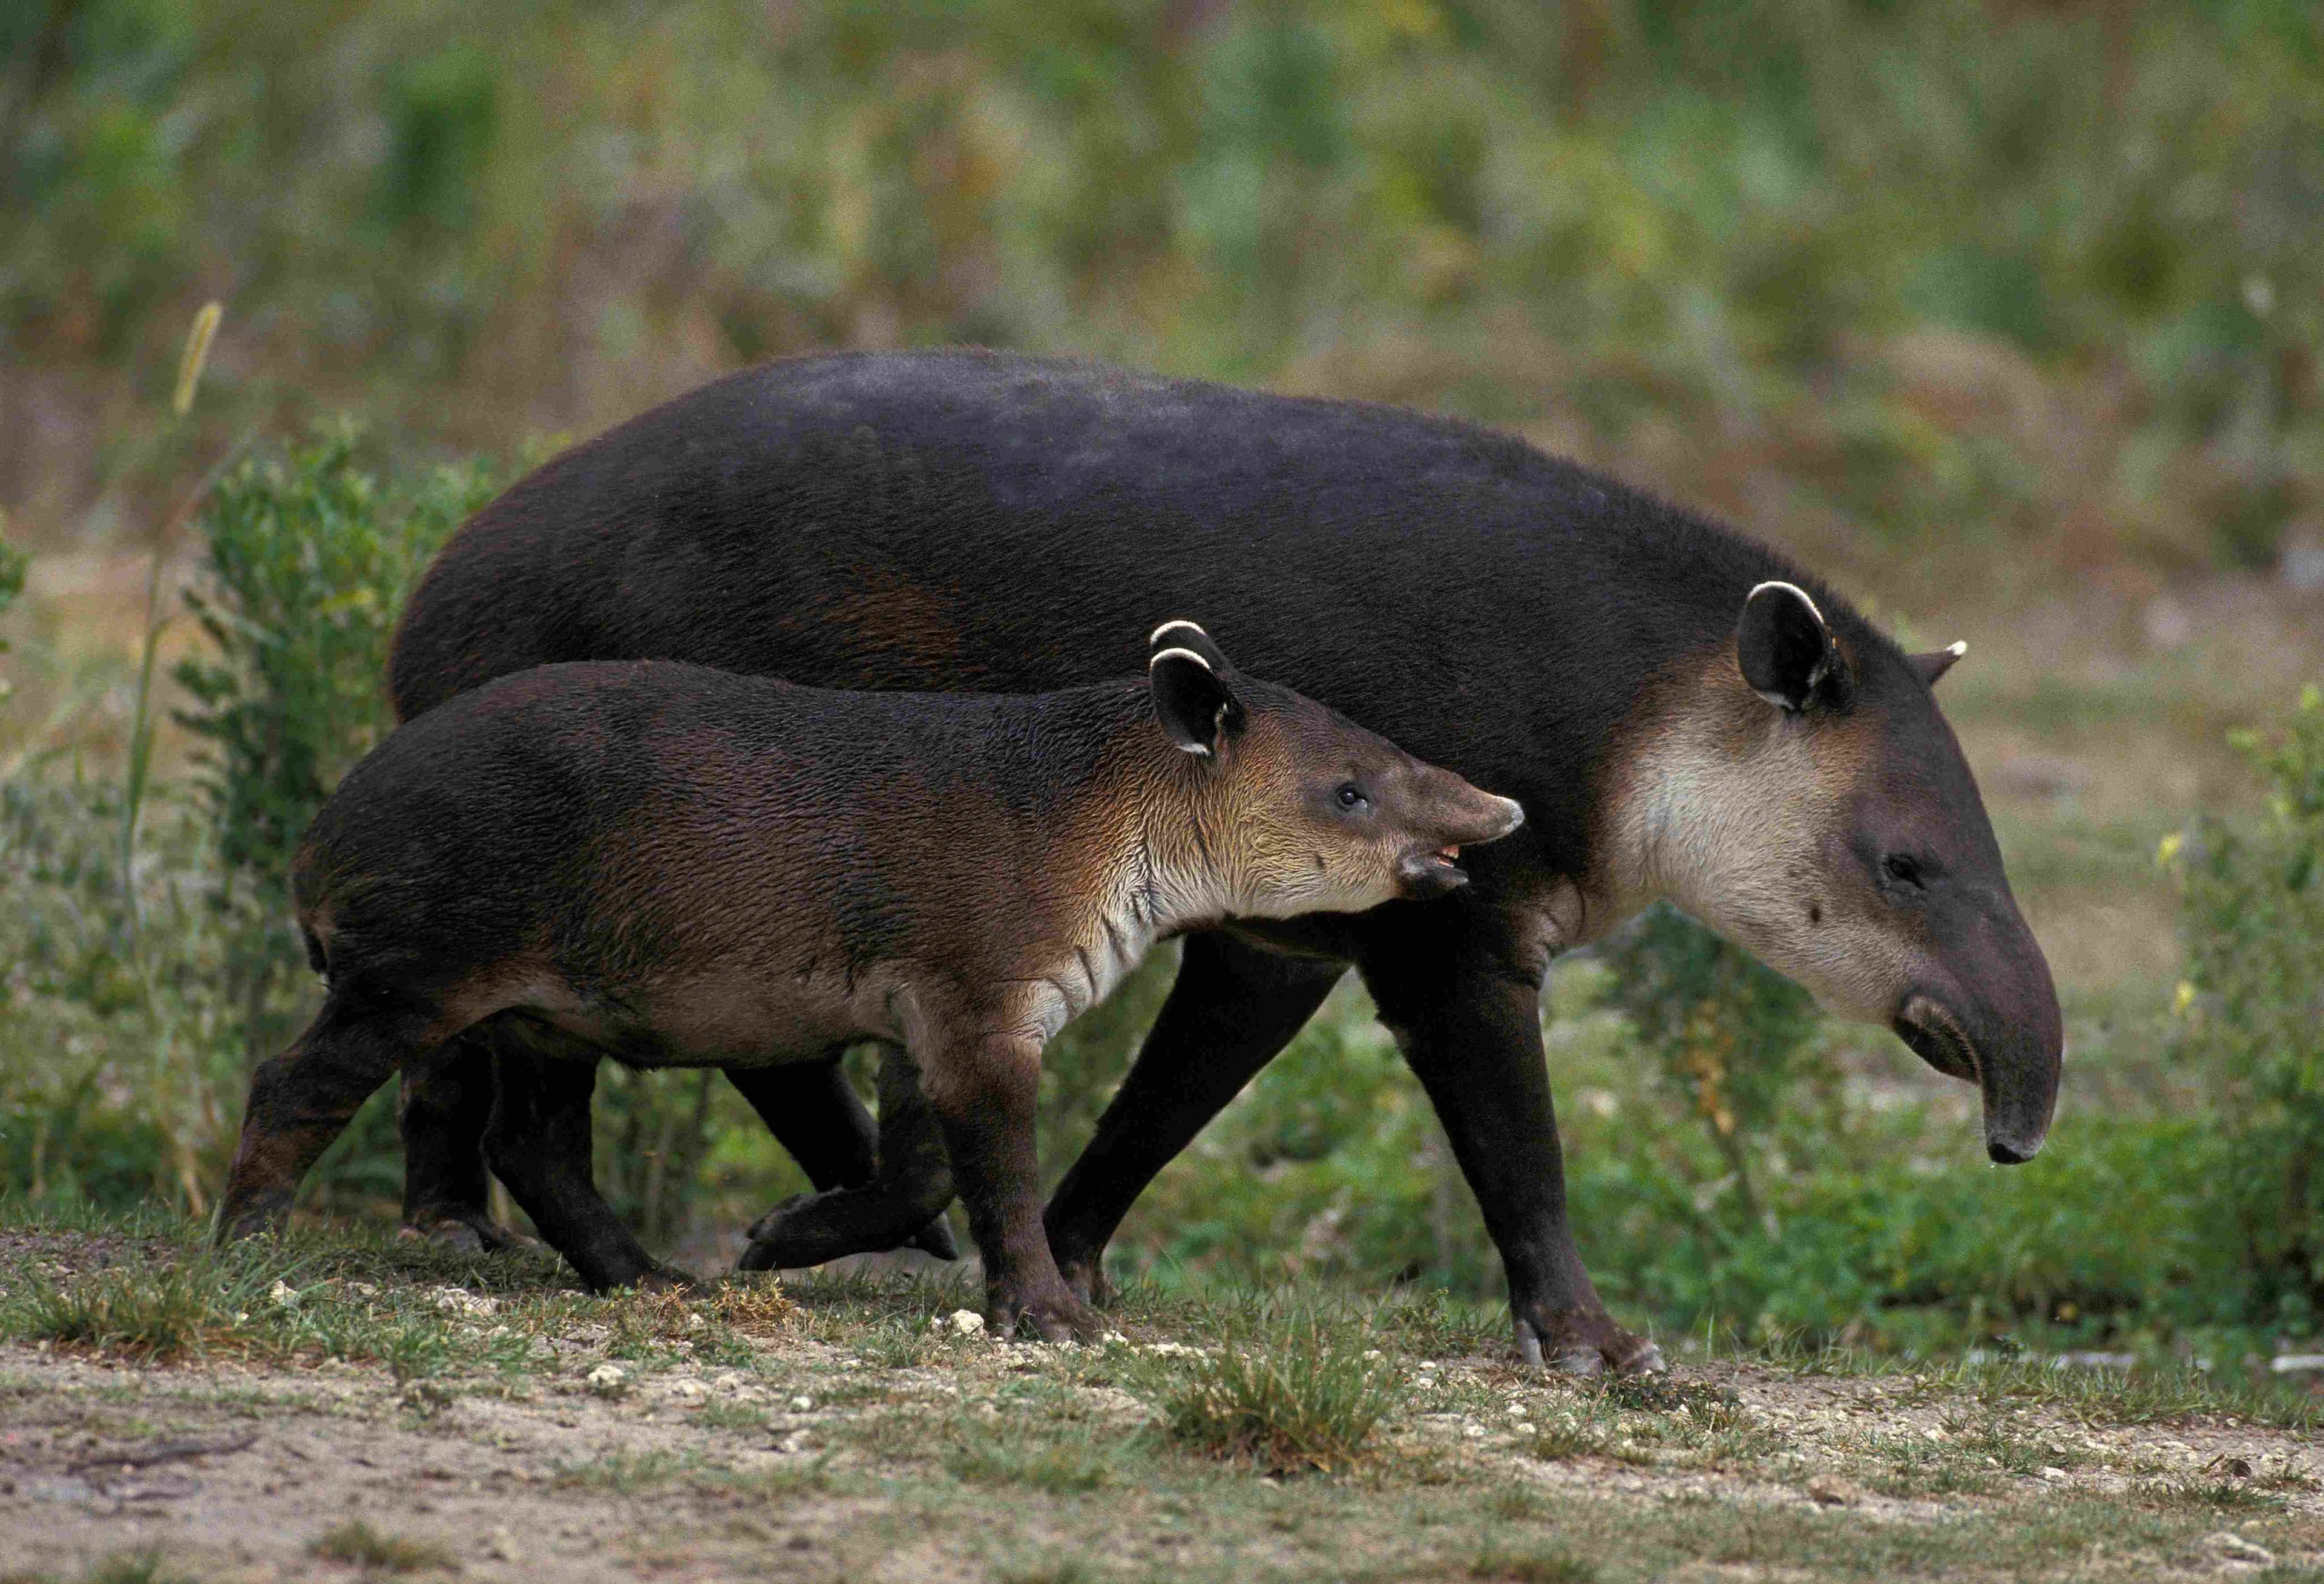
x,y
728,1381
967,1322
458,1301
607,1379
689,1391
502,1547
2049,1472
802,1404
1374,1353
2231,1547
1523,1426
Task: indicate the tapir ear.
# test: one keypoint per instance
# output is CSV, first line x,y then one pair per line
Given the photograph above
x,y
1185,635
1191,700
1937,662
1784,650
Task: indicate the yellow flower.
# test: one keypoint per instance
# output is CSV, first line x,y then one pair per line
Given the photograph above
x,y
2184,998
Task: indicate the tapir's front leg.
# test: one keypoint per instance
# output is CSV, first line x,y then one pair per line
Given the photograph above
x,y
983,1089
1470,1024
300,1101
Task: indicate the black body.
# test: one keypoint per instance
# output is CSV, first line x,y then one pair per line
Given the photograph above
x,y
966,520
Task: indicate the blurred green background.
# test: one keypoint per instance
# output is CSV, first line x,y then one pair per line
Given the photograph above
x,y
2003,314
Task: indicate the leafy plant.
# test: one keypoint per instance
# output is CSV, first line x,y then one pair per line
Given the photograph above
x,y
1732,1036
2252,921
13,564
309,556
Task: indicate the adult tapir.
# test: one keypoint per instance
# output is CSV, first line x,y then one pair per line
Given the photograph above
x,y
1682,714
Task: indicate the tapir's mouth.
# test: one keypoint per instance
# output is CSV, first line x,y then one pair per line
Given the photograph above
x,y
1936,1041
1937,1038
1431,871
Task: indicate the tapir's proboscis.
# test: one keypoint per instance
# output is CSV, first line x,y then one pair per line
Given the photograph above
x,y
680,867
1685,715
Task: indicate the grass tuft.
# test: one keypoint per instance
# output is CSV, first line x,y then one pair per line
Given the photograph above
x,y
150,1313
1292,1395
1550,1567
136,1567
358,1542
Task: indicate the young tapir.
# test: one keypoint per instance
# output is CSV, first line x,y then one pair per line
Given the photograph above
x,y
685,868
1684,714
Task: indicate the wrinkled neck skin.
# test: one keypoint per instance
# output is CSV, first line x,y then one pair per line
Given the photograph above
x,y
1726,807
1182,853
1135,860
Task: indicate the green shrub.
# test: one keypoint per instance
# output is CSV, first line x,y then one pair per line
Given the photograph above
x,y
1732,1040
309,559
2252,920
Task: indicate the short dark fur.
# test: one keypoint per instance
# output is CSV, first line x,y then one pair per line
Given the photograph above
x,y
976,521
681,866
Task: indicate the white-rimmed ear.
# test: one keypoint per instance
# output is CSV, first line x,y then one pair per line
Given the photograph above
x,y
1191,700
1937,662
1783,647
1185,635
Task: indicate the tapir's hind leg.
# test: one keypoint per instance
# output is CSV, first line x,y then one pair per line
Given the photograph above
x,y
812,1109
301,1099
539,1144
901,1206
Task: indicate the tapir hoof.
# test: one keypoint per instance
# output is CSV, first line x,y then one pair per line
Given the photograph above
x,y
1085,1279
814,1228
269,1214
937,1238
463,1231
1587,1345
1055,1316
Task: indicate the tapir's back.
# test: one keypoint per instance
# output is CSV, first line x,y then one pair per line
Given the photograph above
x,y
622,815
958,521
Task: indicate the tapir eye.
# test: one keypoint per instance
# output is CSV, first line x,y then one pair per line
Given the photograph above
x,y
1351,796
1904,871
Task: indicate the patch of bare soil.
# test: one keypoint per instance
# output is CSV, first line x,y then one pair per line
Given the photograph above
x,y
866,1442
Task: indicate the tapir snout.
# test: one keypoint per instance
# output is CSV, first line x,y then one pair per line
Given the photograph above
x,y
1994,1021
1463,816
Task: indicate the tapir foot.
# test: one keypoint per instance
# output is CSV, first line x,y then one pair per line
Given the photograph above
x,y
260,1213
813,1229
463,1230
937,1238
669,1278
1585,1343
1086,1280
1052,1314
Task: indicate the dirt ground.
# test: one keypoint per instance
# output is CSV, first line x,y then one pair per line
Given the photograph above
x,y
867,1434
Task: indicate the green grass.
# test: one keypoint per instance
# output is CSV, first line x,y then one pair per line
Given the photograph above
x,y
1031,1462
1532,1567
358,1542
1290,1392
